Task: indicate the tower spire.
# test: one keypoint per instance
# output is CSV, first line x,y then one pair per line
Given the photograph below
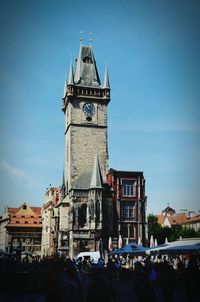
x,y
106,79
81,37
90,39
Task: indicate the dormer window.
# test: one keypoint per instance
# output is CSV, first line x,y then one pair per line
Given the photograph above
x,y
87,60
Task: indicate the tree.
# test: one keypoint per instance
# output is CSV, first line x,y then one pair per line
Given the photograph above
x,y
173,233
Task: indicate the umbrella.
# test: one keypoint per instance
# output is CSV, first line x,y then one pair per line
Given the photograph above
x,y
139,241
120,242
155,242
183,249
151,241
166,240
131,249
110,244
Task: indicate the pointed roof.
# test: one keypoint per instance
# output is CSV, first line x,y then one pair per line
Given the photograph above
x,y
96,180
89,178
86,73
71,76
83,180
106,79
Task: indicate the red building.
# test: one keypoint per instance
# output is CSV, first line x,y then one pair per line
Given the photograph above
x,y
129,205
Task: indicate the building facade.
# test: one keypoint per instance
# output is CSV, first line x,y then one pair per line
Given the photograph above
x,y
192,222
48,243
22,229
130,204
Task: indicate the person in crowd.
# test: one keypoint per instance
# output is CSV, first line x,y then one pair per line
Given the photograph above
x,y
100,290
70,284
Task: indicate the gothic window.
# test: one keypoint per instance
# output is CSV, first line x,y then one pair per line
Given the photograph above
x,y
128,187
82,215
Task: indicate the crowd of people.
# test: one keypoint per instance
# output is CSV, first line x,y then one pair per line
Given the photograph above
x,y
62,279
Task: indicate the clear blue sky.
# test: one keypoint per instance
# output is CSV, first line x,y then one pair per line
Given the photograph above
x,y
153,53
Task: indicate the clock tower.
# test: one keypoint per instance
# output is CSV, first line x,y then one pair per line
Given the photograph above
x,y
85,103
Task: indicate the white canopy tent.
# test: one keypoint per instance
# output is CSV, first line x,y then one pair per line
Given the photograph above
x,y
177,247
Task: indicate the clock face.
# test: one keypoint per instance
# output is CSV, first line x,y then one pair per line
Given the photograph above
x,y
89,109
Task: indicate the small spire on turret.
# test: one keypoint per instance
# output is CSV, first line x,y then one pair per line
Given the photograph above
x,y
106,79
90,39
81,37
65,86
71,75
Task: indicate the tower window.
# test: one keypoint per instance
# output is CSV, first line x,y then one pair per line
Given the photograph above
x,y
24,207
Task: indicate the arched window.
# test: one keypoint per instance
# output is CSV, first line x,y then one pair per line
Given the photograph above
x,y
82,215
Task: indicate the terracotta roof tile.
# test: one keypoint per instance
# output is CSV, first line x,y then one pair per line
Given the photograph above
x,y
161,219
29,219
195,218
177,219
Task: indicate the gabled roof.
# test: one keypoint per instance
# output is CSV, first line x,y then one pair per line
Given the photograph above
x,y
24,216
168,209
86,73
